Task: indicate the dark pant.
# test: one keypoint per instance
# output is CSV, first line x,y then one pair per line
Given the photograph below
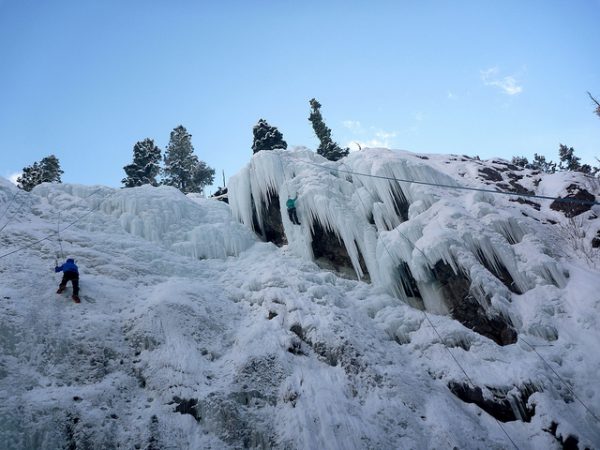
x,y
73,277
293,216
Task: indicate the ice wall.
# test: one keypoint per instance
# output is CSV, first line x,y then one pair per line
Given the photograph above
x,y
401,229
191,226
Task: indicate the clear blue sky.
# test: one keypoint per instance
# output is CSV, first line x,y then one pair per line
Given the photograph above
x,y
85,80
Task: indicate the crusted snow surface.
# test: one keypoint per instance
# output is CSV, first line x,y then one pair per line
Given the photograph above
x,y
173,348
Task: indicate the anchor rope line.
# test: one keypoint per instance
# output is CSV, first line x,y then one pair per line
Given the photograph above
x,y
57,232
22,201
9,203
450,186
13,215
561,380
62,254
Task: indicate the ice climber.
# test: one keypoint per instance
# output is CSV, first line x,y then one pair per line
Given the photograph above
x,y
291,207
70,273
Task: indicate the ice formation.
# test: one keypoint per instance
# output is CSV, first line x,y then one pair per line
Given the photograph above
x,y
400,229
191,226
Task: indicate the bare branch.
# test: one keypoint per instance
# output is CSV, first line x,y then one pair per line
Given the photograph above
x,y
593,99
597,110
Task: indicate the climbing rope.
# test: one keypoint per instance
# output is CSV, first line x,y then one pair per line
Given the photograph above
x,y
13,215
61,254
561,380
9,203
466,188
57,232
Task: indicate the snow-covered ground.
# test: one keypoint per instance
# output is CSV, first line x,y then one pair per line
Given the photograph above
x,y
192,333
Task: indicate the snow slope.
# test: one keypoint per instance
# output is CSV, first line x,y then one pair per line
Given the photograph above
x,y
194,334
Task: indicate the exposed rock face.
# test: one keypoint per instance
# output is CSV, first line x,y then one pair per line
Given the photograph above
x,y
221,195
499,270
408,282
515,186
187,406
487,173
506,176
273,226
523,201
571,209
596,240
467,310
502,403
330,252
570,443
272,229
401,204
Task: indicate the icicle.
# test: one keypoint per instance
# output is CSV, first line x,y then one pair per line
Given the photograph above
x,y
391,222
510,229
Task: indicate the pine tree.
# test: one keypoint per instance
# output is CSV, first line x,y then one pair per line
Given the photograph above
x,y
266,137
568,160
203,175
182,168
520,161
30,177
50,170
539,163
327,147
146,164
45,171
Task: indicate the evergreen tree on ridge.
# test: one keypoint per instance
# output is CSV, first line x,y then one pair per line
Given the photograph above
x,y
266,137
327,148
45,171
145,166
183,169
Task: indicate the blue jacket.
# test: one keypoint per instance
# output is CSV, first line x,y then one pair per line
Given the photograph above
x,y
69,266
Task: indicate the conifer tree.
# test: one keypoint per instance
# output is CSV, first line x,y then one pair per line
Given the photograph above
x,y
327,148
203,175
539,163
266,137
30,177
568,160
51,171
520,161
45,171
182,168
145,166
